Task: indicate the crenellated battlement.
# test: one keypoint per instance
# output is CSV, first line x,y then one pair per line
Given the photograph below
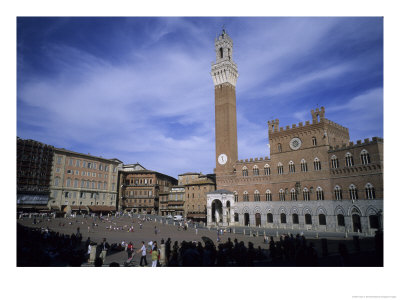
x,y
358,143
318,117
257,159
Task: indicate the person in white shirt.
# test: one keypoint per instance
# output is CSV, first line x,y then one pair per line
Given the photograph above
x,y
144,252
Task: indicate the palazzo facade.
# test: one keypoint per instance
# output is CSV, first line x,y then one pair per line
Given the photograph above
x,y
314,179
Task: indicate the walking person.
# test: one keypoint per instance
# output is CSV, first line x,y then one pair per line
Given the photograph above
x,y
154,255
104,248
130,250
143,257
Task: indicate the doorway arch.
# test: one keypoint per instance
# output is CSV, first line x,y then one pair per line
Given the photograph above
x,y
216,211
356,222
258,219
246,219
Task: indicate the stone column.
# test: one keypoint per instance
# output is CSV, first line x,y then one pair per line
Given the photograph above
x,y
162,255
209,219
364,224
252,219
224,223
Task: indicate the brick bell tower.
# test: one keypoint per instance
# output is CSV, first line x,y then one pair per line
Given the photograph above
x,y
224,73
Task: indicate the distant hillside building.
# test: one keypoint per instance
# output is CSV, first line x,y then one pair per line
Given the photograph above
x,y
140,189
315,178
34,163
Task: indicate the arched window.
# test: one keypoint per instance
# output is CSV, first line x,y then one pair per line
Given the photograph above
x,y
76,183
283,218
338,193
68,182
245,196
349,160
373,221
322,219
245,171
255,171
56,181
291,167
295,218
306,194
293,195
280,168
256,196
320,193
235,194
308,219
340,220
82,183
314,141
279,147
267,170
317,164
221,52
268,195
365,160
303,165
353,192
334,162
369,191
236,217
281,195
270,218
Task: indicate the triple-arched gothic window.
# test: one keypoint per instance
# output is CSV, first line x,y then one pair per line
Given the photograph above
x,y
334,162
338,193
320,193
245,172
280,168
281,195
369,191
291,167
365,160
303,165
256,171
349,160
267,170
306,194
353,192
256,196
317,164
293,194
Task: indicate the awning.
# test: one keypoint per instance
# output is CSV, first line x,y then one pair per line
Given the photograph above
x,y
79,207
100,208
170,203
197,216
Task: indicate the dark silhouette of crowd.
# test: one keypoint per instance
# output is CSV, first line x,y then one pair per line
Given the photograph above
x,y
38,247
194,254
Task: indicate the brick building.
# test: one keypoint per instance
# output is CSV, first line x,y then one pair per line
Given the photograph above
x,y
315,178
139,190
34,163
196,186
83,183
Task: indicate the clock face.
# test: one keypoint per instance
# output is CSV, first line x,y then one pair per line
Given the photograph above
x,y
222,159
295,143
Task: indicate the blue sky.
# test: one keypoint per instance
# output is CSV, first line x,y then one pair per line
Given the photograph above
x,y
140,89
